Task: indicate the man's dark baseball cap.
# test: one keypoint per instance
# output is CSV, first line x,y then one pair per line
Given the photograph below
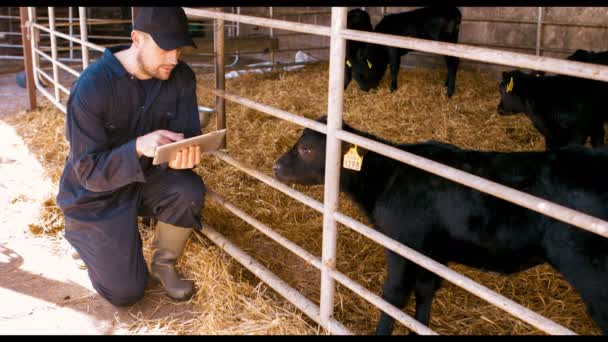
x,y
168,26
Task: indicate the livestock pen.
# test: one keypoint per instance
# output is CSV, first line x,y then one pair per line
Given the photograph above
x,y
418,110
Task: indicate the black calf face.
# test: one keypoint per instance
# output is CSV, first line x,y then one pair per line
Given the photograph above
x,y
510,102
367,72
304,163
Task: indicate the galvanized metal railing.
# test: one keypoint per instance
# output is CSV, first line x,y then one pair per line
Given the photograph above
x,y
338,33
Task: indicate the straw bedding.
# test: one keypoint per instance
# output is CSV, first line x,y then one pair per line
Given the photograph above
x,y
231,300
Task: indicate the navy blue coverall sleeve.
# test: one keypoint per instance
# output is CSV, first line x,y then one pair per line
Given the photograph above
x,y
97,166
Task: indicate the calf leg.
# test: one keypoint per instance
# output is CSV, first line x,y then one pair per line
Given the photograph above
x,y
427,284
450,81
584,264
397,288
395,61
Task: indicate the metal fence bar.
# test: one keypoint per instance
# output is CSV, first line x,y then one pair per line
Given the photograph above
x,y
57,85
273,182
34,40
246,19
539,26
77,40
220,74
532,22
523,199
295,297
332,161
279,113
82,16
559,66
51,13
63,66
71,30
404,318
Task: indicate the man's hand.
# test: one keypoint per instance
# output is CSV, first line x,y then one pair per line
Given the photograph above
x,y
146,144
186,158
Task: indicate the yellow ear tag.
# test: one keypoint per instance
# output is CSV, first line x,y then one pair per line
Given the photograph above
x,y
352,159
348,63
369,64
510,86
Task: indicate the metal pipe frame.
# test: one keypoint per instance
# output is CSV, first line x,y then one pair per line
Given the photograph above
x,y
63,66
332,160
57,85
454,277
539,26
71,30
77,40
555,65
404,318
220,74
82,16
295,297
51,13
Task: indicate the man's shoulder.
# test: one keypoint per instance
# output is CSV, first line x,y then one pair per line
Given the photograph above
x,y
95,73
183,72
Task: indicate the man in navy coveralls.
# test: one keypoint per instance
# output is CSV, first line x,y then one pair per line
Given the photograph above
x,y
126,104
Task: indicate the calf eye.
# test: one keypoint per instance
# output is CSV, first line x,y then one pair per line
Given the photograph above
x,y
304,150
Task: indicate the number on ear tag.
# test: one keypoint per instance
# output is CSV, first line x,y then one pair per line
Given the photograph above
x,y
352,159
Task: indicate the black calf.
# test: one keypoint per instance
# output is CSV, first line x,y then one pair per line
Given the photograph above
x,y
368,64
589,57
565,110
450,222
357,19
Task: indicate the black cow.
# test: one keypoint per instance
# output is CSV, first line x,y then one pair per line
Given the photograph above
x,y
357,19
368,64
565,110
589,57
451,222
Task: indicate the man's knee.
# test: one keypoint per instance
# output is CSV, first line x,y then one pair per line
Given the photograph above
x,y
125,293
191,190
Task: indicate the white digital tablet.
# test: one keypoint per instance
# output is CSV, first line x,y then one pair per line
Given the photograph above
x,y
208,142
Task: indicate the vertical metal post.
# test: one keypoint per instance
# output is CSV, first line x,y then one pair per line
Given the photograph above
x,y
539,25
220,75
71,30
134,13
10,22
383,10
51,12
26,38
82,15
271,36
333,160
238,23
